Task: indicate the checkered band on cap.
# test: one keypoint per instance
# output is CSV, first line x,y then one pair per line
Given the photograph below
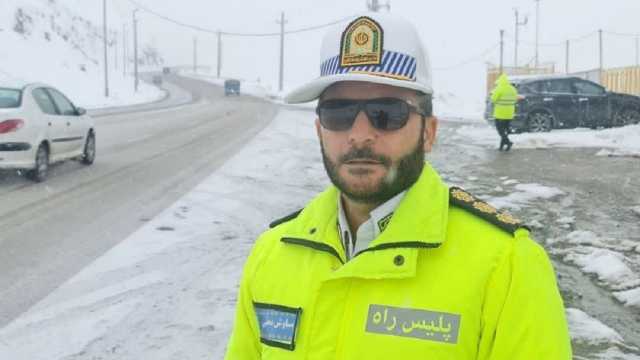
x,y
394,65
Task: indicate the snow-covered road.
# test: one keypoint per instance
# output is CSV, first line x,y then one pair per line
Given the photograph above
x,y
168,291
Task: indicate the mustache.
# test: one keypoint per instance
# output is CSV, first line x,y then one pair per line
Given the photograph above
x,y
364,154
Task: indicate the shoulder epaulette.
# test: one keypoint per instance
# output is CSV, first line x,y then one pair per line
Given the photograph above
x,y
291,216
470,203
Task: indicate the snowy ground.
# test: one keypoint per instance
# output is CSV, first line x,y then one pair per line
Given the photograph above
x,y
168,291
58,48
610,256
624,141
247,87
455,108
447,105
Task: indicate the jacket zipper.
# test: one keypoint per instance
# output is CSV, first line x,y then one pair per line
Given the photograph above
x,y
313,245
328,249
401,245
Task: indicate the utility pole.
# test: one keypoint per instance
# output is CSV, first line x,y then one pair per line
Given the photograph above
x,y
537,30
124,49
501,50
637,51
601,58
566,67
195,55
374,5
106,60
135,50
518,24
219,64
115,49
282,22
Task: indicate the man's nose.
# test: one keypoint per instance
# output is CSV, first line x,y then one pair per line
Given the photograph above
x,y
362,132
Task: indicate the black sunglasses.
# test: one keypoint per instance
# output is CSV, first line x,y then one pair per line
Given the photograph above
x,y
383,113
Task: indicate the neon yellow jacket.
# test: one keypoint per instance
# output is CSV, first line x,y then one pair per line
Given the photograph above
x,y
440,282
504,98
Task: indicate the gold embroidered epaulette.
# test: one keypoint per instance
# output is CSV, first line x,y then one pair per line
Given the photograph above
x,y
291,216
501,219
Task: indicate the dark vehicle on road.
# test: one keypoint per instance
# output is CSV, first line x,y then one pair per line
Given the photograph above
x,y
562,102
166,70
157,80
231,87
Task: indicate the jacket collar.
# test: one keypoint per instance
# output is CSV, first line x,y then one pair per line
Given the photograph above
x,y
420,221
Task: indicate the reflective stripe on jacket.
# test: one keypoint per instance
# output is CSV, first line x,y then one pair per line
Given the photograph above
x,y
504,98
439,282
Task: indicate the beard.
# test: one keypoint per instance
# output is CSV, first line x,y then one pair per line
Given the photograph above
x,y
399,177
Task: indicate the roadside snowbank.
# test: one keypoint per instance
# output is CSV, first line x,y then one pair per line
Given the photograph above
x,y
624,141
168,291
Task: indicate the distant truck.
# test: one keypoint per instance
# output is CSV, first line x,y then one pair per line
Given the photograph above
x,y
231,87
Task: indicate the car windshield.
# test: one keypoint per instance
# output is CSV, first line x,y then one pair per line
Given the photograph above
x,y
10,98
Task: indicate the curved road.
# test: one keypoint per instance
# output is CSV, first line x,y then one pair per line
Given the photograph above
x,y
145,161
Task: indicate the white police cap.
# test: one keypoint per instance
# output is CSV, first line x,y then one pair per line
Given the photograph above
x,y
376,48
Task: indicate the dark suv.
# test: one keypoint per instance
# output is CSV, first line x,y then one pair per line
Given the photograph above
x,y
560,102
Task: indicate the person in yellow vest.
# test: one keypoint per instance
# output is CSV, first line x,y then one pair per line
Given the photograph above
x,y
389,262
504,98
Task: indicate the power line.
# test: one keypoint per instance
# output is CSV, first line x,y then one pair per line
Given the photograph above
x,y
531,43
227,33
583,37
311,28
469,61
621,34
166,18
561,43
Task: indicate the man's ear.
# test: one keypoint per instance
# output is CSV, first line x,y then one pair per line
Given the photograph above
x,y
430,129
318,132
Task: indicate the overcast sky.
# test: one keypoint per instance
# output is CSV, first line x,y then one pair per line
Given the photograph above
x,y
455,32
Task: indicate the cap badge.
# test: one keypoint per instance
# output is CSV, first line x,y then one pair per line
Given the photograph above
x,y
361,43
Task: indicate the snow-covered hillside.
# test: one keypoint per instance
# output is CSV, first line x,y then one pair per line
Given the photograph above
x,y
44,41
450,106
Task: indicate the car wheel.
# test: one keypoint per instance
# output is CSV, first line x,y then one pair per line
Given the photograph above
x,y
626,117
540,122
41,169
89,154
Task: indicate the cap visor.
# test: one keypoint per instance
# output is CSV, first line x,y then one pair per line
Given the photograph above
x,y
312,90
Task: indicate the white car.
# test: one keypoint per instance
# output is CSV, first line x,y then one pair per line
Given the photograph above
x,y
40,126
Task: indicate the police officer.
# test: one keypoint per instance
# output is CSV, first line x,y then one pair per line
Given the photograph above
x,y
389,262
504,97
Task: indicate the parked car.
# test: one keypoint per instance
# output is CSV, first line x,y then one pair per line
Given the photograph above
x,y
557,102
166,70
38,126
157,80
231,87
